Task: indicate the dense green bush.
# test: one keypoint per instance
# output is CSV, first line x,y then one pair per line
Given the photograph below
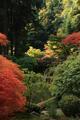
x,y
27,62
70,105
66,77
38,88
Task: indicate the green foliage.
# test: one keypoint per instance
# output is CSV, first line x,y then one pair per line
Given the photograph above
x,y
27,62
38,88
13,58
70,105
35,34
66,77
70,17
49,15
53,37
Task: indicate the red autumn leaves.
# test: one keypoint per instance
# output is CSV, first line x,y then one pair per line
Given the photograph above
x,y
3,40
11,88
73,39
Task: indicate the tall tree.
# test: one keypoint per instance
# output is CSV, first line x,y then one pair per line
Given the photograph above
x,y
14,14
70,17
49,15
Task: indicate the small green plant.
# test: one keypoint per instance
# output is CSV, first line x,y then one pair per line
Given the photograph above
x,y
70,105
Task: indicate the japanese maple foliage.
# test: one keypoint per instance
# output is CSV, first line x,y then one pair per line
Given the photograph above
x,y
73,38
3,40
11,89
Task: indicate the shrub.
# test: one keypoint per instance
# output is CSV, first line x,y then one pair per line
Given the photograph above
x,y
71,44
70,105
33,52
73,39
27,62
3,40
3,43
66,77
52,52
52,48
53,37
38,88
11,88
56,50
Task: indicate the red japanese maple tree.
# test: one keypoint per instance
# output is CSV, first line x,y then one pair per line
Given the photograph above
x,y
73,39
11,88
3,39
